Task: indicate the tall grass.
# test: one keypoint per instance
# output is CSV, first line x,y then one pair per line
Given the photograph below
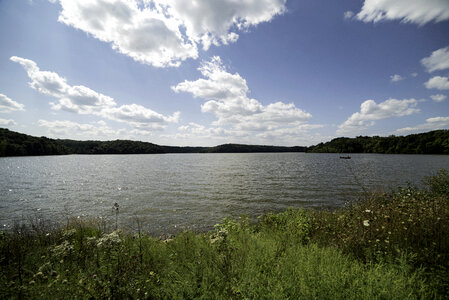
x,y
389,246
410,221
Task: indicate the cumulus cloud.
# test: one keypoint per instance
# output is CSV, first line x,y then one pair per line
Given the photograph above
x,y
408,11
98,130
438,60
431,124
83,100
8,105
145,35
197,130
163,33
396,78
7,122
194,133
438,97
139,116
217,22
79,99
438,82
227,98
370,112
348,15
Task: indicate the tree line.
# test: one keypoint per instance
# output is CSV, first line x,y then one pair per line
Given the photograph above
x,y
433,142
18,144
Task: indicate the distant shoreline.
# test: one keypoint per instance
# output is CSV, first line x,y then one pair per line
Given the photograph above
x,y
18,144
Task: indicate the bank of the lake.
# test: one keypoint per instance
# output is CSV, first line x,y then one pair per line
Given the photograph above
x,y
390,246
175,192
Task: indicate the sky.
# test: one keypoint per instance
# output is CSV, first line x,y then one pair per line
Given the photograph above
x,y
209,72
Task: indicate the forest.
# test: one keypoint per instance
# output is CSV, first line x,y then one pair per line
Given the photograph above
x,y
18,144
433,142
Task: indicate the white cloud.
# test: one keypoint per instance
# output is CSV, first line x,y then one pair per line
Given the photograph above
x,y
97,131
431,124
163,33
8,105
348,15
438,82
139,116
195,134
193,129
414,74
370,112
83,100
145,35
396,78
216,22
438,97
438,60
7,122
227,98
408,11
79,99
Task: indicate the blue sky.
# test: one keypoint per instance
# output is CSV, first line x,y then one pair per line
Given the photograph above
x,y
178,72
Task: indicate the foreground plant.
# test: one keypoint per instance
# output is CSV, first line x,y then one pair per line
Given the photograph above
x,y
390,246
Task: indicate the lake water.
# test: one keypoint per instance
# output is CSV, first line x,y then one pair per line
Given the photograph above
x,y
172,192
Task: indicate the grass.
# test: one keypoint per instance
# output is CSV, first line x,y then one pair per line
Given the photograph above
x,y
388,246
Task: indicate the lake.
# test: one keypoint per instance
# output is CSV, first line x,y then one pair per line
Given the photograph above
x,y
172,192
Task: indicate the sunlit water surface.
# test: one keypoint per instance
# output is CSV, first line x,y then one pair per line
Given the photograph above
x,y
172,192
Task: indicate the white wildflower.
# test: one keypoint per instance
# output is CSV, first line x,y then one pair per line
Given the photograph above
x,y
109,240
62,250
69,234
366,223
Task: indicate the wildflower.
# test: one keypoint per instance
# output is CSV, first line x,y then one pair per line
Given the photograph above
x,y
91,241
367,210
38,274
366,223
68,234
62,250
109,240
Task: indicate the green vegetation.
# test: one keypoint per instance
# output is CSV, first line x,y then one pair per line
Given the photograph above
x,y
433,142
18,144
111,147
239,148
389,246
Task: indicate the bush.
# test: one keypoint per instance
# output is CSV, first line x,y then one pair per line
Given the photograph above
x,y
389,246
